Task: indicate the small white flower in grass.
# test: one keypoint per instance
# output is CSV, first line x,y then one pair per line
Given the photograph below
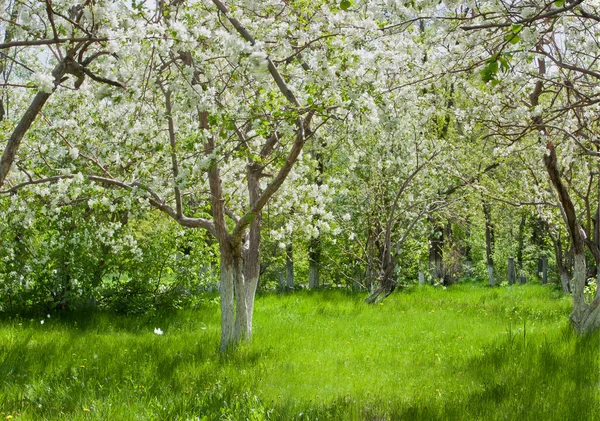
x,y
158,331
48,316
41,321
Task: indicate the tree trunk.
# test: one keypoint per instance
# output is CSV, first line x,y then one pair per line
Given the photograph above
x,y
237,290
248,283
370,271
421,277
512,273
436,258
489,243
314,260
585,318
314,252
521,241
564,280
289,266
12,146
243,303
563,263
387,285
281,280
226,292
544,269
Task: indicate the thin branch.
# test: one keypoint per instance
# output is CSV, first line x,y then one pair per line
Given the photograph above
x,y
26,43
281,84
534,18
101,79
174,163
152,197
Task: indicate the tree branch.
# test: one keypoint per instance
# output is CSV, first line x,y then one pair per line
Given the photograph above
x,y
26,43
534,18
152,197
174,163
281,84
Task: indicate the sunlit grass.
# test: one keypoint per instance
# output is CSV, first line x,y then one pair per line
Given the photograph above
x,y
467,352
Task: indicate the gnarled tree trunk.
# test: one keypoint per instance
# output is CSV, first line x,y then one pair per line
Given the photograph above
x,y
585,317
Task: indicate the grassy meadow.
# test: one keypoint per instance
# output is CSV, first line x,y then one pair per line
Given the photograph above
x,y
461,353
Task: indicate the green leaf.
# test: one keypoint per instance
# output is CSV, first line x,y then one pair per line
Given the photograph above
x,y
516,28
504,63
559,3
489,71
345,4
512,38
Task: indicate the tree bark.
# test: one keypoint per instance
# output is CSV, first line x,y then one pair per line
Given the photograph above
x,y
489,243
563,262
436,258
12,146
521,241
584,318
226,292
544,269
314,260
314,252
512,273
564,280
386,286
251,267
289,266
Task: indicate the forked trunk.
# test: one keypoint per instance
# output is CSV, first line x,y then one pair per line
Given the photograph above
x,y
386,286
249,267
237,289
381,293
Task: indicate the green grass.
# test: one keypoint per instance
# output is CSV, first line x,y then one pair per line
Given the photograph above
x,y
467,352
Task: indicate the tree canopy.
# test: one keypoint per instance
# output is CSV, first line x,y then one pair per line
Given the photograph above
x,y
158,147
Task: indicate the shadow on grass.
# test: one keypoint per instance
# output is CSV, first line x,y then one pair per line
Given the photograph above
x,y
513,379
58,373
